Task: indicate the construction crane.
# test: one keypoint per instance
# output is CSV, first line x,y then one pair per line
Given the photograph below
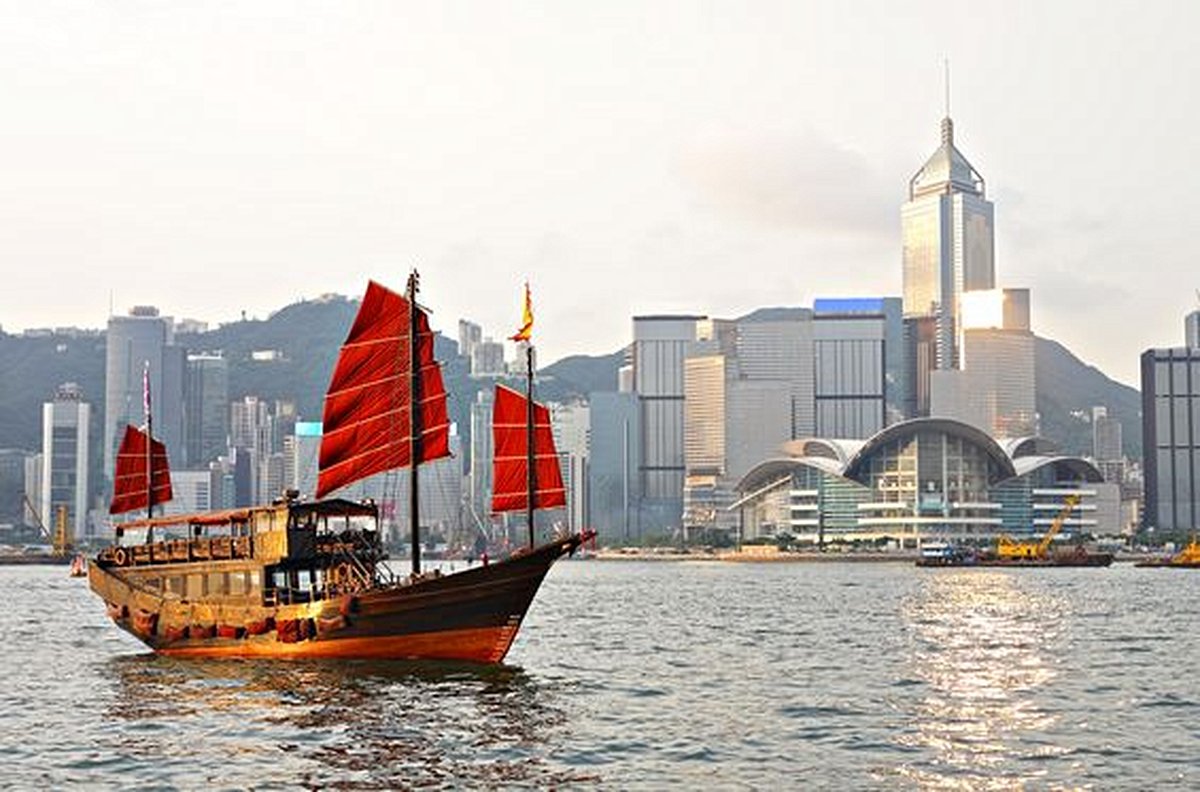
x,y
61,540
1007,548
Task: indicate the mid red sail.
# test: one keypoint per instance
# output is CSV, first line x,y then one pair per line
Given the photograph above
x,y
131,490
510,484
367,407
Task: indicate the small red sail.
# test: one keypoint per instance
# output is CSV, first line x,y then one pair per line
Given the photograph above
x,y
366,421
129,478
509,483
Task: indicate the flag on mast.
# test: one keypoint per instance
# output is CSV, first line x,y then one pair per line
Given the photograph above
x,y
526,331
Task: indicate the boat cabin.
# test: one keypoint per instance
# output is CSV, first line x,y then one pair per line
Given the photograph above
x,y
290,552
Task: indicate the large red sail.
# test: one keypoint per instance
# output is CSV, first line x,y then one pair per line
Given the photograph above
x,y
510,484
367,407
129,479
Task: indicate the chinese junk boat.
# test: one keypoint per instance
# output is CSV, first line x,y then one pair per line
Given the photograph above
x,y
301,579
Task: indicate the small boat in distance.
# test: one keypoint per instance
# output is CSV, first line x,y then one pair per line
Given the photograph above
x,y
1187,558
306,578
1010,553
78,566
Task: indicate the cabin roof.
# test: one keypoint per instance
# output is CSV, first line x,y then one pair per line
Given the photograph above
x,y
329,507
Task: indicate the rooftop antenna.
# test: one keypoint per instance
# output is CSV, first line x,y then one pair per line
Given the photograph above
x,y
947,124
946,66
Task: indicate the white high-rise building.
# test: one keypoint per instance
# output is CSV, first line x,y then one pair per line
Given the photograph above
x,y
949,245
571,424
64,476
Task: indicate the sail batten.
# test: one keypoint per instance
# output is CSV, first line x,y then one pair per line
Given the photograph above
x,y
369,403
510,483
131,488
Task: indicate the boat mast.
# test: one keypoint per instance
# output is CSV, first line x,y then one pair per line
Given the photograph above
x,y
530,457
414,422
149,451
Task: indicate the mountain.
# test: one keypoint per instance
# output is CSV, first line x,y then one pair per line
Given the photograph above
x,y
302,341
1068,388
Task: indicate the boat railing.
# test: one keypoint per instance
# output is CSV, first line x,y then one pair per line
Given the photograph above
x,y
179,551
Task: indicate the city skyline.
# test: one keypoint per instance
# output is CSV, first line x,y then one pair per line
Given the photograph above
x,y
632,159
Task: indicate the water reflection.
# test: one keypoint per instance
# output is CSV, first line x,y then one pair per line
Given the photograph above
x,y
986,646
346,724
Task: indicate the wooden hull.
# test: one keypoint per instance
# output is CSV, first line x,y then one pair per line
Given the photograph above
x,y
472,615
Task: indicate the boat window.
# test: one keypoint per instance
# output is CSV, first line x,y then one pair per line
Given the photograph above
x,y
279,579
216,583
255,582
175,585
195,587
304,579
237,583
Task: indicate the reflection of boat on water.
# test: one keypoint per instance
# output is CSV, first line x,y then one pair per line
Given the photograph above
x,y
397,724
1010,553
1187,558
301,578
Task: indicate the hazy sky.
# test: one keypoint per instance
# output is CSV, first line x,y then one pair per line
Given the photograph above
x,y
626,157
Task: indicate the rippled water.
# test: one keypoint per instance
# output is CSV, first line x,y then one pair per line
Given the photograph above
x,y
650,675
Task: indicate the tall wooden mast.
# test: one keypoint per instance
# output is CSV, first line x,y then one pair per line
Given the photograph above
x,y
414,426
149,450
530,456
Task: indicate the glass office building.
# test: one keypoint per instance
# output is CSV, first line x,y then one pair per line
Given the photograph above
x,y
1171,438
920,479
949,247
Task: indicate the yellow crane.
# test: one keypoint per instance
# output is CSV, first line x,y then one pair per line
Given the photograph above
x,y
1007,548
62,539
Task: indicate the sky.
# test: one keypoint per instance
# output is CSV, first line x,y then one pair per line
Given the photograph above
x,y
625,157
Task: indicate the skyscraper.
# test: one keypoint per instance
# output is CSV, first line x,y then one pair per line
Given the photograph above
x,y
1191,325
1171,438
748,389
613,465
12,487
207,414
995,389
851,357
133,341
65,425
660,344
777,344
949,248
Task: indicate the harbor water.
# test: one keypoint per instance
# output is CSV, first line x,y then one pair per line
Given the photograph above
x,y
633,674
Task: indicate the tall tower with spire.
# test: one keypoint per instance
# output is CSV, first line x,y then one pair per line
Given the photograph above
x,y
949,248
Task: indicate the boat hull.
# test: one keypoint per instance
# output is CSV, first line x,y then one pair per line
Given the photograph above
x,y
473,616
1166,562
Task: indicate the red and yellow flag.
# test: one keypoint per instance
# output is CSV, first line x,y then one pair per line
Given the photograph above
x,y
526,331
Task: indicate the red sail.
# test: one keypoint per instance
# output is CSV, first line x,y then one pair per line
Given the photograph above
x,y
366,421
129,478
509,483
